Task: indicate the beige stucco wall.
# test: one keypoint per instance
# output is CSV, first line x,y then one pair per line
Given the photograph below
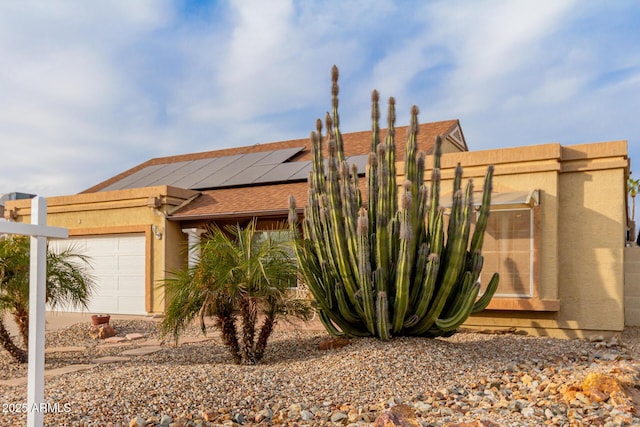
x,y
123,211
591,232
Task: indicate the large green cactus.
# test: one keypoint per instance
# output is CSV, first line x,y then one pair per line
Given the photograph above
x,y
387,267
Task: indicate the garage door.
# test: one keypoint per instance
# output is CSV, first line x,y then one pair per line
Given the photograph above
x,y
118,267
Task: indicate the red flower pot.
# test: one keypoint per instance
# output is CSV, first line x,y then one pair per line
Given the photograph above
x,y
100,319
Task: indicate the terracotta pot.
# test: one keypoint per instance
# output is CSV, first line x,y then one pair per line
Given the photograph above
x,y
100,319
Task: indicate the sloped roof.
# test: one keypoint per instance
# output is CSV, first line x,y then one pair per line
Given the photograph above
x,y
252,180
255,201
202,171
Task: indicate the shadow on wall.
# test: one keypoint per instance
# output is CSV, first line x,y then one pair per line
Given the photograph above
x,y
517,285
590,253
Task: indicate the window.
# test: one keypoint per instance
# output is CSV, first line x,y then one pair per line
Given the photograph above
x,y
508,250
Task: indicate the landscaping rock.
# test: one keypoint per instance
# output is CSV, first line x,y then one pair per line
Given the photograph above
x,y
102,332
135,336
397,416
138,422
333,343
209,415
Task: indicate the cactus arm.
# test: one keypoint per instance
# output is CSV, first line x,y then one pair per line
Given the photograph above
x,y
485,299
337,327
339,236
435,185
405,260
458,298
457,178
364,266
335,89
481,223
434,206
463,216
372,201
350,214
437,238
391,156
458,318
317,171
355,189
382,222
426,291
420,269
329,325
343,305
382,310
414,172
372,172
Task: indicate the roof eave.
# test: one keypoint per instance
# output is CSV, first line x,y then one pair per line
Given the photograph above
x,y
234,215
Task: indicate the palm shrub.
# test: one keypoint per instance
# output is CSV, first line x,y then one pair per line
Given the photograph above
x,y
633,186
68,284
387,266
238,279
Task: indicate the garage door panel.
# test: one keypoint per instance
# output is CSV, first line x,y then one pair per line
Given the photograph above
x,y
102,244
134,246
132,264
104,264
128,305
128,285
118,268
104,305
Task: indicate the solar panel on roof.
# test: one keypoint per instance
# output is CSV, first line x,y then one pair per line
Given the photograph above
x,y
174,174
249,159
216,178
279,156
196,170
160,175
282,172
238,169
131,180
191,180
249,175
302,173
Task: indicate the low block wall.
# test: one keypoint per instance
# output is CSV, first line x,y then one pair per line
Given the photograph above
x,y
632,286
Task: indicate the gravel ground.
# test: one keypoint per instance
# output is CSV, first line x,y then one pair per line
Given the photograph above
x,y
510,379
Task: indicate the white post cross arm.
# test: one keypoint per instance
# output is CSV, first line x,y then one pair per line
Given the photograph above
x,y
39,231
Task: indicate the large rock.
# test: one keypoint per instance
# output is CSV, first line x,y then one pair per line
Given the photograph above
x,y
102,331
598,387
209,415
397,416
333,343
607,388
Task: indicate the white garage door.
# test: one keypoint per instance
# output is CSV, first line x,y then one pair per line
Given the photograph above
x,y
118,267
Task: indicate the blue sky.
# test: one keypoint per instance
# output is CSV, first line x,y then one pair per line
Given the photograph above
x,y
90,89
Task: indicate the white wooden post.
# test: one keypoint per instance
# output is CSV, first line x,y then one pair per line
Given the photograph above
x,y
39,232
194,244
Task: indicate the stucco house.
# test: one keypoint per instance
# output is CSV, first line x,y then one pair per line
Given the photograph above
x,y
556,233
